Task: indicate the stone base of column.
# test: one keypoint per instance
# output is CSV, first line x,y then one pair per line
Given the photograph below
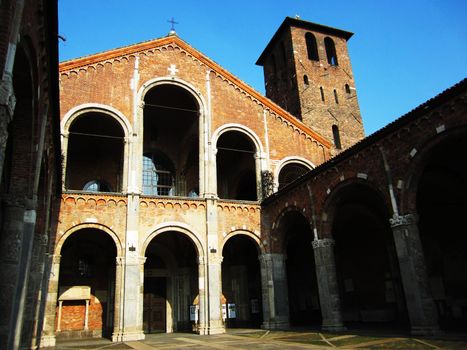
x,y
131,336
215,329
47,341
333,328
276,324
425,330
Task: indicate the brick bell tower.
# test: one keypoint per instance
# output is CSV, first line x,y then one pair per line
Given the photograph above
x,y
307,71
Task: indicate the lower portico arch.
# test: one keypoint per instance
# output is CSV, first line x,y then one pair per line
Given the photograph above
x,y
87,273
241,279
173,297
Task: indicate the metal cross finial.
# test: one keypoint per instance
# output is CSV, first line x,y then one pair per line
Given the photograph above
x,y
172,21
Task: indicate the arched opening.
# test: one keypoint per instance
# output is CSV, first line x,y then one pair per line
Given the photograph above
x,y
366,261
330,51
171,128
86,287
347,89
290,172
306,80
236,168
441,206
336,98
304,307
321,92
311,47
170,284
95,154
337,137
241,283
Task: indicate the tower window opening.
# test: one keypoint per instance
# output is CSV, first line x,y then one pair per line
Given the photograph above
x,y
311,47
330,51
322,93
335,97
347,89
305,80
337,138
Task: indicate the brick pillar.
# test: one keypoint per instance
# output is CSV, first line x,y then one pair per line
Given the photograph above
x,y
215,325
327,285
274,291
48,331
420,305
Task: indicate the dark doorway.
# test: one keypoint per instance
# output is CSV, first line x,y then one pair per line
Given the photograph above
x,y
155,294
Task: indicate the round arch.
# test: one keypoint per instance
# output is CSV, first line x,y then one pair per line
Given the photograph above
x,y
100,227
79,110
290,160
240,128
152,83
251,235
331,202
418,164
178,227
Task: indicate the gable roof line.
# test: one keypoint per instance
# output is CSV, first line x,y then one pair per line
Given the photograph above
x,y
173,39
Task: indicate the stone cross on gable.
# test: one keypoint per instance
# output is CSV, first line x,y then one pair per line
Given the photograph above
x,y
172,69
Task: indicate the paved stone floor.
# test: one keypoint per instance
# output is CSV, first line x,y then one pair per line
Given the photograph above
x,y
280,340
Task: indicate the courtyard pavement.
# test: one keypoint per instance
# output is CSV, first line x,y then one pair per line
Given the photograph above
x,y
247,339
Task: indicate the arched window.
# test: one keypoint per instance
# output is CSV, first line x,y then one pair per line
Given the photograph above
x,y
311,47
335,97
337,137
322,93
347,89
305,80
96,186
290,173
330,51
158,176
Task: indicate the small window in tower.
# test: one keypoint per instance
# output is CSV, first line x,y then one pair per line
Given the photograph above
x,y
337,138
347,89
305,80
330,51
311,47
335,97
322,93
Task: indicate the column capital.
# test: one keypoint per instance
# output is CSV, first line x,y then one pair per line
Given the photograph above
x,y
402,220
120,260
215,259
265,257
56,258
323,243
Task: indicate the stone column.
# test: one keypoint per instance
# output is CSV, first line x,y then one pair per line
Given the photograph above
x,y
203,314
327,285
274,291
420,305
132,302
48,332
117,334
65,138
215,324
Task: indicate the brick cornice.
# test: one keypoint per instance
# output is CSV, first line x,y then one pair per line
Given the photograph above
x,y
83,62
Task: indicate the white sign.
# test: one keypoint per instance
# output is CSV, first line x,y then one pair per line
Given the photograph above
x,y
232,310
194,313
224,312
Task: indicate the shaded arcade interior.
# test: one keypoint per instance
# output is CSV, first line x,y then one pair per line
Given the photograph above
x,y
441,206
241,282
88,258
170,284
170,142
366,261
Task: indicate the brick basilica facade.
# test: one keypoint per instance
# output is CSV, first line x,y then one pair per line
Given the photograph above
x,y
191,202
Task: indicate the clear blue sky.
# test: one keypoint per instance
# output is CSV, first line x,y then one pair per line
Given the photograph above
x,y
403,52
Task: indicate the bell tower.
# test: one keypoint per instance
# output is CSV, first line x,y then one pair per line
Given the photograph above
x,y
307,71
